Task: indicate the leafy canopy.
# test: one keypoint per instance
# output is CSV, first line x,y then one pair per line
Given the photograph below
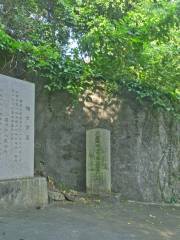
x,y
129,44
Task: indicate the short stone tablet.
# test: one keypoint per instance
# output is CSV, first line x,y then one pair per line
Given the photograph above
x,y
98,165
16,128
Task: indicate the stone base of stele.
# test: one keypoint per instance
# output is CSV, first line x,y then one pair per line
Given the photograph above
x,y
24,192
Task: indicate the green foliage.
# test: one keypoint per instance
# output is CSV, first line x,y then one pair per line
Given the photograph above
x,y
131,44
48,62
37,20
7,43
139,51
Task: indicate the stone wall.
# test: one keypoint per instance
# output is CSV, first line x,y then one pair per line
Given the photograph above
x,y
145,143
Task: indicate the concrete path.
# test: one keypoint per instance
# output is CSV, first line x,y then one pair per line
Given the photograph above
x,y
92,221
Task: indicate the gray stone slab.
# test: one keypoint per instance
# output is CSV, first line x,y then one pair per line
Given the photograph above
x,y
98,162
24,192
16,128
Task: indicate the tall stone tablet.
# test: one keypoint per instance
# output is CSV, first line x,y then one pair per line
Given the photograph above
x,y
16,128
98,165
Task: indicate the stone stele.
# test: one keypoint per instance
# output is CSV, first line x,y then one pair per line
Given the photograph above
x,y
16,128
98,163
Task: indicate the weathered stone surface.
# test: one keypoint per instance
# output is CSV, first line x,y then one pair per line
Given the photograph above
x,y
72,195
55,196
145,143
98,162
25,192
16,128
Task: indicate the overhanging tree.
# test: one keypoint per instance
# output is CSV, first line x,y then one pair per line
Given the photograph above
x,y
130,44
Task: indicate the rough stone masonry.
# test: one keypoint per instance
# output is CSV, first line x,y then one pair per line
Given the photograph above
x,y
145,143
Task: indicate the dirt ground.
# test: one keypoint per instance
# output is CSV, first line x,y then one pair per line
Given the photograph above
x,y
92,221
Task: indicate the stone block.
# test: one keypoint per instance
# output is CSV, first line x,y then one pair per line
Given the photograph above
x,y
25,192
98,162
16,128
55,196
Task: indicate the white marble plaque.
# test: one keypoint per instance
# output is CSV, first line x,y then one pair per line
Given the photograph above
x,y
16,128
98,165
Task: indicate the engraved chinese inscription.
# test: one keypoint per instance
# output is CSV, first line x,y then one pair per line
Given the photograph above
x,y
98,172
16,128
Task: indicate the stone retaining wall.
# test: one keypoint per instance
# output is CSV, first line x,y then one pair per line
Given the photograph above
x,y
145,143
